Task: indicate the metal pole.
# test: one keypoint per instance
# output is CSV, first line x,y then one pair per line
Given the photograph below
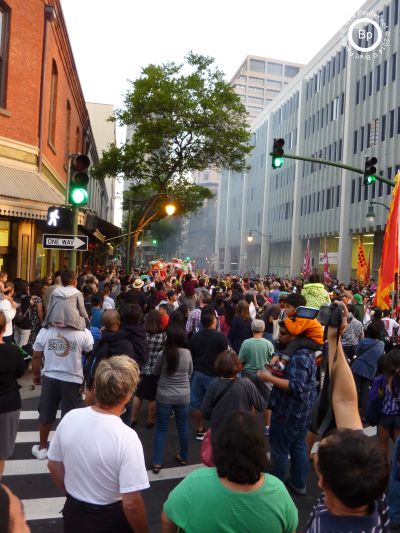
x,y
333,164
73,253
128,241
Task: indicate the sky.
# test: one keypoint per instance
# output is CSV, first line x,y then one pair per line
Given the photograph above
x,y
112,40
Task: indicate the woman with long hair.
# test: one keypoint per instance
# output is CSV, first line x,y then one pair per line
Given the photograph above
x,y
240,328
174,366
147,388
36,310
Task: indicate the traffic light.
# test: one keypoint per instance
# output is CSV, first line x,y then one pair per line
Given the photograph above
x,y
59,217
79,180
278,153
370,170
154,241
91,221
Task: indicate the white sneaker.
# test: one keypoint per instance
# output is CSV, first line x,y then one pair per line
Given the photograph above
x,y
39,454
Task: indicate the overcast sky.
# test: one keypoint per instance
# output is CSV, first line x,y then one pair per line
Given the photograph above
x,y
111,41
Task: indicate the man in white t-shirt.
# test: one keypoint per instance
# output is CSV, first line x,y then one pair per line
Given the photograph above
x,y
97,460
61,377
108,302
390,324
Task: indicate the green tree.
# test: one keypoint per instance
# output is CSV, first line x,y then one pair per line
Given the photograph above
x,y
186,117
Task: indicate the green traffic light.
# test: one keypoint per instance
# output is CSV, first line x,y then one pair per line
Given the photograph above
x,y
188,258
154,241
371,179
277,162
78,196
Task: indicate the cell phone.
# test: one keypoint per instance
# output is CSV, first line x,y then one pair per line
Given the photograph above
x,y
307,312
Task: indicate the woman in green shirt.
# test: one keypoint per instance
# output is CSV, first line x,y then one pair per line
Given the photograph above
x,y
236,495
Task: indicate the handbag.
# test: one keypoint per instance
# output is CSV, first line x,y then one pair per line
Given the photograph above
x,y
376,397
206,452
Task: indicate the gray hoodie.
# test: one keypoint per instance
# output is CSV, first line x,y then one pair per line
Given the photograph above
x,y
66,308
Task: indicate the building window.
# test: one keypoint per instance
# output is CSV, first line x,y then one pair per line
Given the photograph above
x,y
53,104
378,78
393,67
357,92
257,66
362,138
342,104
290,71
67,132
4,40
383,128
259,90
398,120
360,186
253,79
385,73
388,187
274,68
370,83
77,140
355,142
395,12
335,108
353,191
340,149
380,189
364,87
391,123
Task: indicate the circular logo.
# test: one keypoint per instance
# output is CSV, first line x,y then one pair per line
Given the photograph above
x,y
366,35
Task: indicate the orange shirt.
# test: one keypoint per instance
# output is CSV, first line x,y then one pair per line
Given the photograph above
x,y
309,328
164,321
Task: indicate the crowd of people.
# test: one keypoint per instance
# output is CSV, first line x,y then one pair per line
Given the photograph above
x,y
317,362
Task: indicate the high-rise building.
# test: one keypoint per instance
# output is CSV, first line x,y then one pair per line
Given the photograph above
x,y
258,81
341,107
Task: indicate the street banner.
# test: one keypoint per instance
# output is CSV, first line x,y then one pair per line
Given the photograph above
x,y
390,251
327,274
361,262
307,269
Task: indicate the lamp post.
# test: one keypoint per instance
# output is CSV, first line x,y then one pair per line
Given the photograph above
x,y
250,239
371,213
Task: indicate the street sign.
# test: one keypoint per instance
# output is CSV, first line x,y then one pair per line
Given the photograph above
x,y
65,242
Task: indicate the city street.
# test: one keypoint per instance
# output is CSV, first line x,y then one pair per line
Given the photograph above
x,y
28,477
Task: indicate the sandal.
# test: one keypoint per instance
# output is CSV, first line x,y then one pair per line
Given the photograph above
x,y
180,460
156,469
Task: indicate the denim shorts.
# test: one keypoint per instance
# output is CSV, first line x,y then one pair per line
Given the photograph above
x,y
198,388
389,421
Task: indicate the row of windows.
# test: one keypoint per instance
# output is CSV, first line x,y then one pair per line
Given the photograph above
x,y
360,192
329,113
282,178
333,152
367,85
326,74
281,212
286,110
377,131
257,65
320,201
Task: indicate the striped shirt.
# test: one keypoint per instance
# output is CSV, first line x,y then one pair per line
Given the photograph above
x,y
322,521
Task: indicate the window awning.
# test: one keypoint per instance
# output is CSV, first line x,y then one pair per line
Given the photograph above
x,y
27,185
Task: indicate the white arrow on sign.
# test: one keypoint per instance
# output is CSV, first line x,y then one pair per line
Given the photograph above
x,y
76,242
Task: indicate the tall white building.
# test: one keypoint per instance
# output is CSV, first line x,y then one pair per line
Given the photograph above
x,y
341,108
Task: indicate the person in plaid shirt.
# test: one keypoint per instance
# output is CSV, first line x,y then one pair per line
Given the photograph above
x,y
147,388
291,402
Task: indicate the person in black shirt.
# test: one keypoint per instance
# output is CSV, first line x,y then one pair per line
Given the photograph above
x,y
205,346
12,367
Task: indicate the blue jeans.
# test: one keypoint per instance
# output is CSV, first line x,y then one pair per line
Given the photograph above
x,y
284,439
198,388
164,411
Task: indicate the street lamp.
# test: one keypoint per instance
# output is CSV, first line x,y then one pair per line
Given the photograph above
x,y
250,238
170,209
371,213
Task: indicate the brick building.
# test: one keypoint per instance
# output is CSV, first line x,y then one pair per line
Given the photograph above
x,y
43,119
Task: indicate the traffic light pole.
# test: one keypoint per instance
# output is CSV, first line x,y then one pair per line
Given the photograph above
x,y
73,253
334,164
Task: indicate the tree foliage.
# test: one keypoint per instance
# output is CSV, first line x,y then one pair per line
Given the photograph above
x,y
185,117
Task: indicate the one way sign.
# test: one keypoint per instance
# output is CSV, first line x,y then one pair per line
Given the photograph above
x,y
65,242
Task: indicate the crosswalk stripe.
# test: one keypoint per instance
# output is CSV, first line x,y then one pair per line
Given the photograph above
x,y
30,436
43,508
25,467
33,415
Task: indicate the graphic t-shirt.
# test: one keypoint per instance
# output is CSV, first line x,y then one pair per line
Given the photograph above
x,y
62,348
214,507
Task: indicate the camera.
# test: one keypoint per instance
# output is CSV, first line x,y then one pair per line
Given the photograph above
x,y
331,315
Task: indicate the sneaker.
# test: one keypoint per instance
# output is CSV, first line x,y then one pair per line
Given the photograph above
x,y
266,431
39,454
200,434
302,491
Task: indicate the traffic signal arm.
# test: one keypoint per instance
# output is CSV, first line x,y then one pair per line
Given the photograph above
x,y
338,165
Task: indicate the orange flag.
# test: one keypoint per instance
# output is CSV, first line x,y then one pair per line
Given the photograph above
x,y
390,251
367,277
361,262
